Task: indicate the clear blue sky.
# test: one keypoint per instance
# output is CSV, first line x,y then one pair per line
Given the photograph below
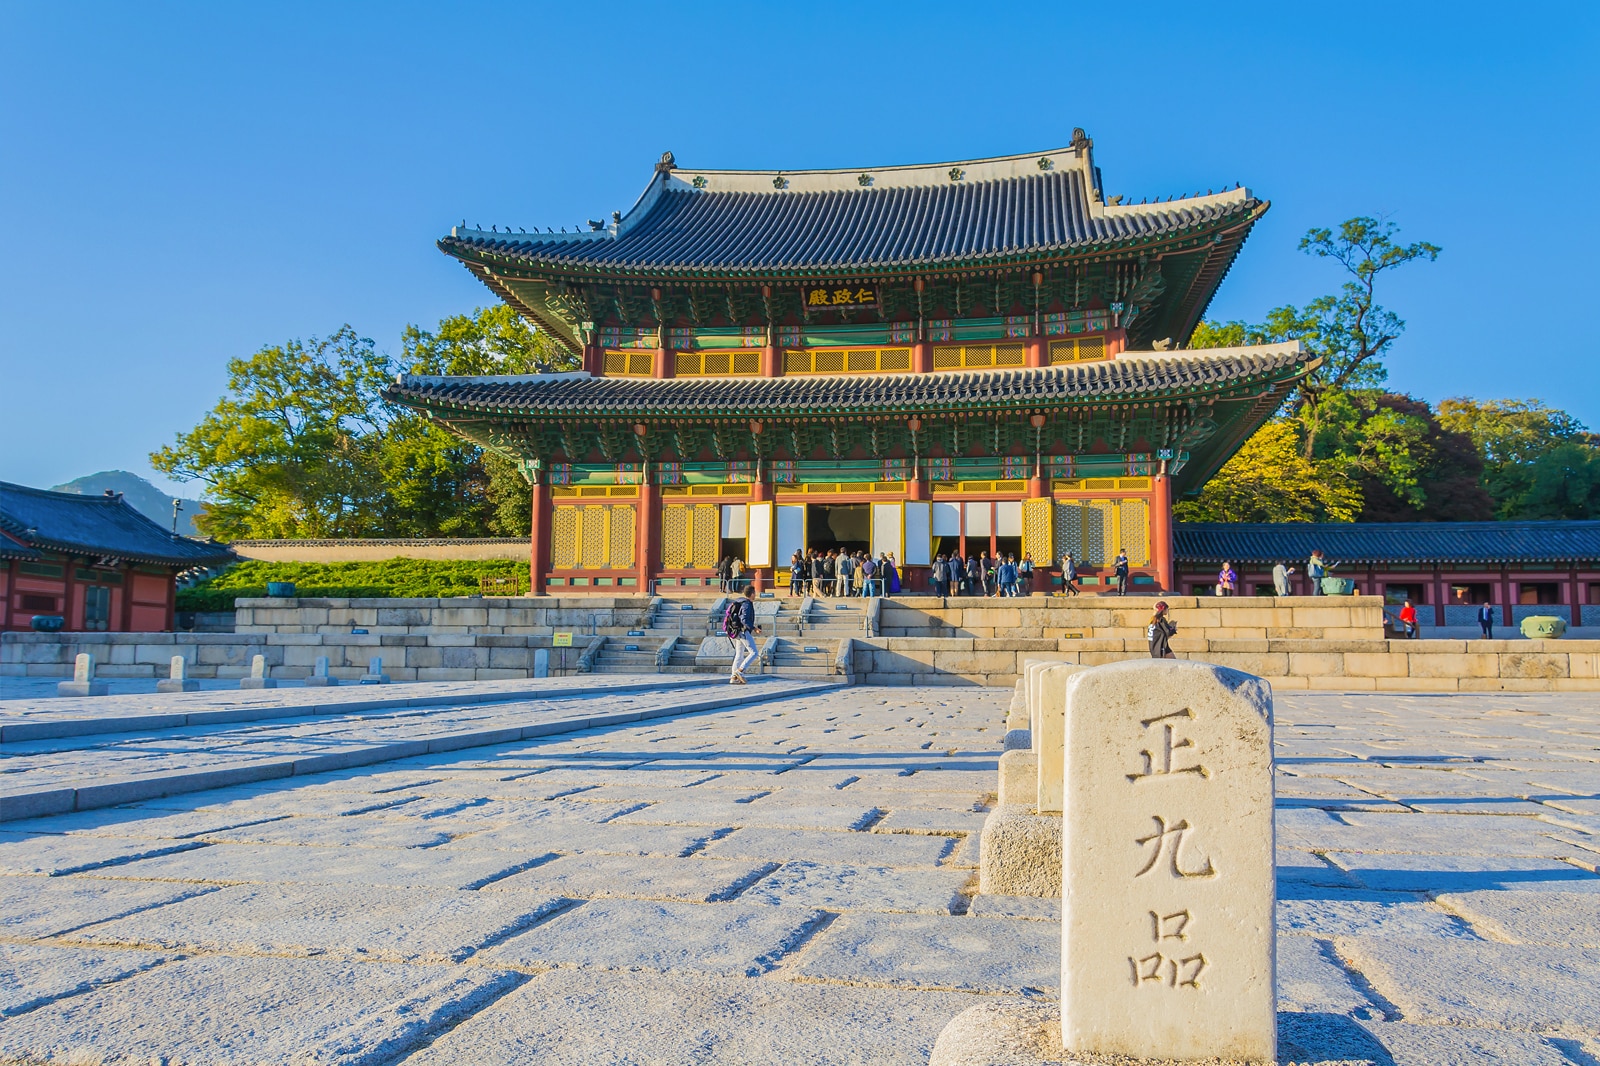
x,y
182,183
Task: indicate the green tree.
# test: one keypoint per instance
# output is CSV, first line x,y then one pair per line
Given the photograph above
x,y
1518,442
290,451
1271,480
1565,483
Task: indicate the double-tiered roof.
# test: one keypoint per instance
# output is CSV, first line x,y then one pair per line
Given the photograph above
x,y
1036,212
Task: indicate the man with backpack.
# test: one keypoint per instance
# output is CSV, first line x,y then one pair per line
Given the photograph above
x,y
739,626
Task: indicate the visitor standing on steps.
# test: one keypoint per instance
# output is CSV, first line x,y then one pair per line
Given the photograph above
x,y
1025,572
1280,579
1486,620
1316,570
797,574
1122,571
739,626
1069,574
1227,580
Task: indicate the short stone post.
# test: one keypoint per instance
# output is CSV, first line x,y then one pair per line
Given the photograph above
x,y
320,678
1168,948
83,682
178,679
1019,851
258,674
541,662
375,674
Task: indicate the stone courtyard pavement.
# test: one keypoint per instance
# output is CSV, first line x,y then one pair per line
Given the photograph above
x,y
787,882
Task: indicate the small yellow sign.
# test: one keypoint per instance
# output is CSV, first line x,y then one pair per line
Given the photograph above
x,y
562,640
826,296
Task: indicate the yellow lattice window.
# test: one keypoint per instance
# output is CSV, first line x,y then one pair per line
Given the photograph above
x,y
1038,530
847,361
623,520
707,534
706,490
564,538
976,356
1093,530
718,363
1077,350
1133,530
690,534
594,536
634,363
946,488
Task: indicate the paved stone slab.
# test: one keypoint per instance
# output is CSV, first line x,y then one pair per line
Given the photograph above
x,y
576,837
1457,873
592,876
348,920
259,1010
769,813
1311,977
1557,919
279,864
848,888
359,831
862,849
33,975
927,951
1454,982
671,1021
1338,1040
134,822
925,820
1030,907
34,853
625,934
1362,912
38,907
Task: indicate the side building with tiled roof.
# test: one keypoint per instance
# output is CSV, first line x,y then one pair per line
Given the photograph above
x,y
93,561
1446,569
982,356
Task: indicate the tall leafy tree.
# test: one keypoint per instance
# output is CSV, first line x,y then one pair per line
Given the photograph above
x,y
1536,458
290,451
1271,480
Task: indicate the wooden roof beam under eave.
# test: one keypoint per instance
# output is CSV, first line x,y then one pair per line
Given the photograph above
x,y
542,322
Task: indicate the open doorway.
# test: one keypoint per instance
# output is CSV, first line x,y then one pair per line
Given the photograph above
x,y
847,526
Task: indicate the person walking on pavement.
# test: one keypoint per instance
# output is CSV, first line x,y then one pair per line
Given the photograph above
x,y
1069,575
1486,620
739,626
1121,567
1280,579
1160,632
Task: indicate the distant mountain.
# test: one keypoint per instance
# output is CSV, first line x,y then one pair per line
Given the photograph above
x,y
141,496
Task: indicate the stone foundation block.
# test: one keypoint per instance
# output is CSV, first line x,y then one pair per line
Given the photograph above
x,y
1019,775
1020,853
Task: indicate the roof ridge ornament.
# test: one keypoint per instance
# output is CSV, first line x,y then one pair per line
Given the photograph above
x,y
667,164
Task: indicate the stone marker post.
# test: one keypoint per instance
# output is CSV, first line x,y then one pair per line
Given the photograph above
x,y
258,674
320,678
178,679
1049,716
1168,879
541,662
375,674
83,682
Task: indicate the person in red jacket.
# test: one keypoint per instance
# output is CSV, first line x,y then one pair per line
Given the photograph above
x,y
1408,619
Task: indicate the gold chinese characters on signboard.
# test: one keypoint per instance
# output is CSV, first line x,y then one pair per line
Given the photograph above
x,y
839,295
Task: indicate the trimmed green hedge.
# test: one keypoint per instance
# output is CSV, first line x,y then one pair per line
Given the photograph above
x,y
399,577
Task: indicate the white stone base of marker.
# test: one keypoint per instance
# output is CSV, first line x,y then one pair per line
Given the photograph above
x,y
258,674
1168,878
1019,853
178,679
375,674
83,682
320,678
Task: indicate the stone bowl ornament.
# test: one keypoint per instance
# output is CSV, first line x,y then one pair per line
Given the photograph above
x,y
280,589
1544,627
48,623
1338,586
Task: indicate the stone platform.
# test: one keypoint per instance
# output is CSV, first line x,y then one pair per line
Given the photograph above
x,y
791,881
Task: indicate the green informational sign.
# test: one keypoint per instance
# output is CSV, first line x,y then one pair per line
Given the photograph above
x,y
562,640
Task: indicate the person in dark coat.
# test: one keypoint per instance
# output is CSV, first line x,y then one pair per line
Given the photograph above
x,y
1486,620
1161,631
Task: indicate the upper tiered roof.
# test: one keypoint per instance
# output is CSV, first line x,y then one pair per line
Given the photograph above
x,y
692,223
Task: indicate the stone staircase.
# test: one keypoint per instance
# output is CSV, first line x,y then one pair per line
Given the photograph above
x,y
802,658
834,619
617,658
681,659
691,619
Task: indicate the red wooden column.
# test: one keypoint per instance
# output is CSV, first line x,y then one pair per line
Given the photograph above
x,y
539,537
1161,546
125,607
1037,352
594,359
647,535
1438,595
1577,599
760,492
172,601
1505,596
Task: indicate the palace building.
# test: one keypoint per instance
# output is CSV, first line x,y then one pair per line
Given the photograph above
x,y
985,355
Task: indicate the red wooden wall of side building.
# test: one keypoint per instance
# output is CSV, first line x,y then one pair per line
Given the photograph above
x,y
133,599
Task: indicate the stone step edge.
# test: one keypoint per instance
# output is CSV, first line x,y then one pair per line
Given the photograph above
x,y
45,801
82,727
